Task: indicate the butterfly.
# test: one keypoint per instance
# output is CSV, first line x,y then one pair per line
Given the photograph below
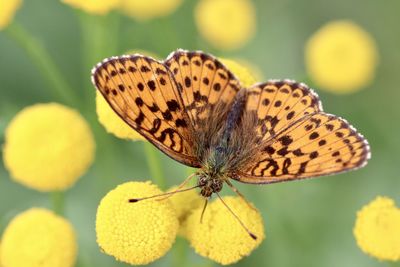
x,y
192,108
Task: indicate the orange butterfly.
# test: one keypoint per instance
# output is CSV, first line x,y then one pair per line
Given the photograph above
x,y
195,110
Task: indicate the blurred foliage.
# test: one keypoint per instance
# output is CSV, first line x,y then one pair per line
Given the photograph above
x,y
308,223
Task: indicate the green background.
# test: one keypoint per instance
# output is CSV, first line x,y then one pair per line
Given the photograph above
x,y
307,223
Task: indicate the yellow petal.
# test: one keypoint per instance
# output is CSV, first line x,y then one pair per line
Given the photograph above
x,y
48,147
136,233
220,236
341,57
38,238
377,229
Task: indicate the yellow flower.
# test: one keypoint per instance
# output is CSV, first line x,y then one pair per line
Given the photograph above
x,y
144,53
341,57
184,203
243,73
112,122
39,238
7,11
148,9
226,24
136,233
377,229
98,7
220,236
48,147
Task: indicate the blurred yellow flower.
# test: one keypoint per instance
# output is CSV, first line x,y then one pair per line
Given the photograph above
x,y
48,147
148,9
98,7
7,11
377,229
39,238
242,72
226,24
136,233
220,237
144,53
341,57
184,203
112,122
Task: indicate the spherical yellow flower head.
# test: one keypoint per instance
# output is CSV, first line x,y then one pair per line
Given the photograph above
x,y
112,122
135,233
39,238
341,57
226,24
7,11
148,9
184,203
377,229
48,147
220,236
243,73
98,7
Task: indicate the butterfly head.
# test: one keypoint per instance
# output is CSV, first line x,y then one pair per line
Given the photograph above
x,y
209,184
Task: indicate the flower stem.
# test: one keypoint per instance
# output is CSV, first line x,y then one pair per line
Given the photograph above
x,y
180,253
100,36
154,164
58,87
57,198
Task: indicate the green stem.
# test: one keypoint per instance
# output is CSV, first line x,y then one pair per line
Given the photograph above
x,y
154,164
180,253
58,87
57,198
100,36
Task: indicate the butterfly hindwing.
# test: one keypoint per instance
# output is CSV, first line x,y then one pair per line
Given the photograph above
x,y
203,82
306,144
143,92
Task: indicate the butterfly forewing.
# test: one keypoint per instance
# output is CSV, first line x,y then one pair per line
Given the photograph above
x,y
298,140
144,94
277,104
204,82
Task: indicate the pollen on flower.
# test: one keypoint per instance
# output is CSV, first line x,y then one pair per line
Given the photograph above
x,y
184,203
98,7
112,122
220,236
136,233
38,238
341,57
148,9
226,24
377,229
48,147
243,73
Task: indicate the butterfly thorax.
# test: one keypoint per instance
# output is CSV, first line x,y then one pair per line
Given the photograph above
x,y
226,148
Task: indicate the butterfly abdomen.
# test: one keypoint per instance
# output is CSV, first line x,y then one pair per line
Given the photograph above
x,y
234,116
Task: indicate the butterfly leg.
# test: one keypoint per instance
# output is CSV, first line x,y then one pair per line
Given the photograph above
x,y
234,189
179,187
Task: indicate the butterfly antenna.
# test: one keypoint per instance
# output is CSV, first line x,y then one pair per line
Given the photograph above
x,y
234,189
204,209
134,200
180,186
237,218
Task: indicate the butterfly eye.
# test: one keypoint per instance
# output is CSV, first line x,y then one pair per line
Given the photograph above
x,y
216,185
202,181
